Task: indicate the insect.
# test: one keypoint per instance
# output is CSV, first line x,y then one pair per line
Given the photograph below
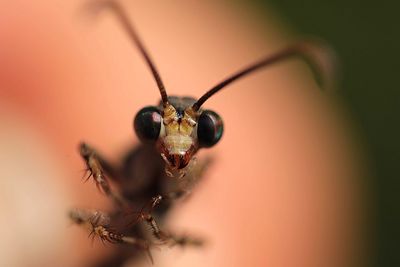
x,y
164,166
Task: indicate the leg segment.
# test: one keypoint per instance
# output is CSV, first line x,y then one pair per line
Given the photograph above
x,y
166,238
94,164
184,186
170,238
98,224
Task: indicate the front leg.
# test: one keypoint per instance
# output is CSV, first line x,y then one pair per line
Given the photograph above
x,y
94,164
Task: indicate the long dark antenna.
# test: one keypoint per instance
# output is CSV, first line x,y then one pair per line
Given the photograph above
x,y
316,54
127,24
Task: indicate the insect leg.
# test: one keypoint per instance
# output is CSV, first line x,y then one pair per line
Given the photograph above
x,y
163,236
98,225
95,165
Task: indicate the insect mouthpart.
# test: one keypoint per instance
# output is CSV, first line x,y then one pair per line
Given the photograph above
x,y
176,161
177,150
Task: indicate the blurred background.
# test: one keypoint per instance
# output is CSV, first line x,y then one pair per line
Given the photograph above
x,y
302,178
365,36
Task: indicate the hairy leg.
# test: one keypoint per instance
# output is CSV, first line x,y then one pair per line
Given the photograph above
x,y
184,186
168,238
98,225
95,166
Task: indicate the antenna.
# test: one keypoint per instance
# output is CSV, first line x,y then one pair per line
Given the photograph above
x,y
128,26
318,56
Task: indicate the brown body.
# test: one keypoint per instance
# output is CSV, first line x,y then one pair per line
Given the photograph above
x,y
143,196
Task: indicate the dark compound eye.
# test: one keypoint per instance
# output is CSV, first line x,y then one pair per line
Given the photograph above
x,y
209,129
147,124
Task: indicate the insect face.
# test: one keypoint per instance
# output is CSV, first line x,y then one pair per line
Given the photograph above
x,y
178,130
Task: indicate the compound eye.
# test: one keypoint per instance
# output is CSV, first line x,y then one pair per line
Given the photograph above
x,y
209,128
147,124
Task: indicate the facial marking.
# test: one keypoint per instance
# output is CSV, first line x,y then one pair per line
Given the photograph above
x,y
175,125
178,143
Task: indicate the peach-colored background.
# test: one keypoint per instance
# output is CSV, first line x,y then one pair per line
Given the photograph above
x,y
283,191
